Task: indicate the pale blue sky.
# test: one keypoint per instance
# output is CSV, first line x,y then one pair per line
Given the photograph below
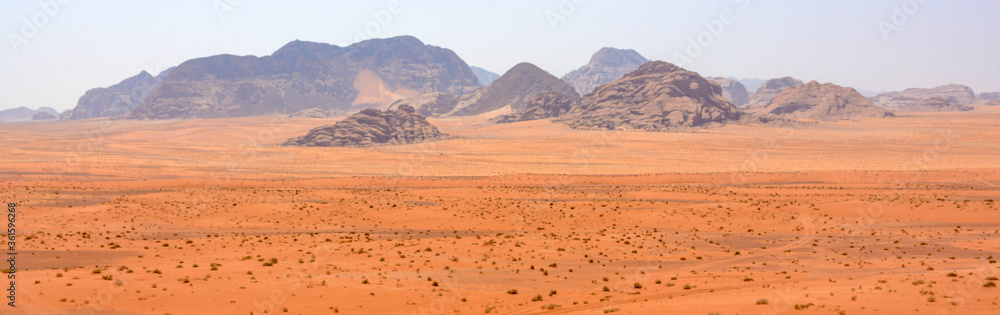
x,y
87,44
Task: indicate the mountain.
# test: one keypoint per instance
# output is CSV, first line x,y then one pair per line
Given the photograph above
x,y
429,104
302,75
657,96
511,91
372,127
821,102
733,90
25,114
606,65
484,76
771,88
934,104
955,93
541,106
316,113
988,96
751,84
116,99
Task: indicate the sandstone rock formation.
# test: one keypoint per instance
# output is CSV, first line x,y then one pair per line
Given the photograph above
x,y
988,96
606,65
955,93
372,127
733,90
25,114
657,96
316,113
543,105
301,75
821,102
429,104
484,76
933,104
41,115
771,88
117,99
512,90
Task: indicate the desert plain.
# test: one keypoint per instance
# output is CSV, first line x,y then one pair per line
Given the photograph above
x,y
213,216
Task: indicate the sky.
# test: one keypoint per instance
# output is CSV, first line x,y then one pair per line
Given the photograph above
x,y
55,50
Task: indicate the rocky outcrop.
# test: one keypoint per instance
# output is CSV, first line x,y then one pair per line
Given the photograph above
x,y
769,89
302,75
42,115
117,99
733,90
606,65
484,76
372,127
988,96
816,101
657,96
543,105
512,90
934,104
25,114
429,104
316,113
954,93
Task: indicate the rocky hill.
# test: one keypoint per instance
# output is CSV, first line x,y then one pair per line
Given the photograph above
x,y
769,89
657,96
933,104
954,93
302,75
543,105
117,99
372,127
606,65
733,90
316,113
24,114
821,102
512,90
429,104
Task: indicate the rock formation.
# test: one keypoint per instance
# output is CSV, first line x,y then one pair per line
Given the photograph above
x,y
512,90
484,76
933,104
301,75
42,115
733,90
657,96
988,96
429,104
117,99
821,102
543,105
771,88
954,93
606,65
25,114
316,113
372,127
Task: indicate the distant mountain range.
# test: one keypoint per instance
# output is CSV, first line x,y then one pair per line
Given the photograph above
x,y
25,114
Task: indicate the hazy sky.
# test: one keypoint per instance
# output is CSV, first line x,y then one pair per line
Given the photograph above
x,y
54,53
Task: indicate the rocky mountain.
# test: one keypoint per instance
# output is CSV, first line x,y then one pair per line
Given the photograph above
x,y
372,127
302,75
657,96
821,102
485,76
43,115
751,84
316,113
988,96
733,90
933,104
117,99
25,114
429,104
512,90
606,65
770,88
955,93
541,106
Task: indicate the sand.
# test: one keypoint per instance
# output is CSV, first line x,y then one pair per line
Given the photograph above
x,y
890,215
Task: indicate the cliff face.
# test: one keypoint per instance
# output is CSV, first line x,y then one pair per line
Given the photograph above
x,y
302,75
